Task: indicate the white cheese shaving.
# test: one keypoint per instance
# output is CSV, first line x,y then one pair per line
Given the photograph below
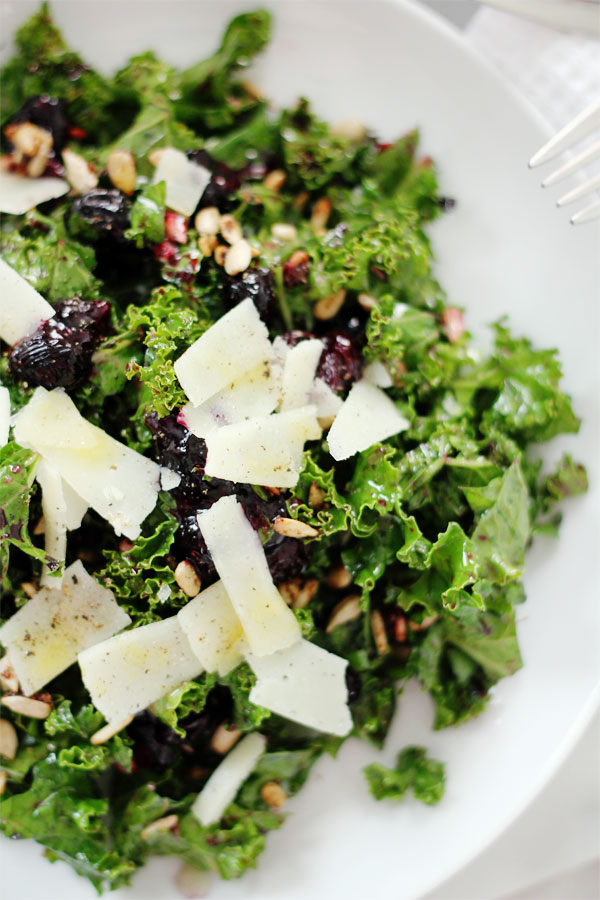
x,y
239,558
298,373
168,479
265,450
306,684
120,484
129,671
255,393
377,374
19,194
45,636
22,309
4,415
327,402
213,630
226,780
76,506
235,344
366,417
54,511
185,180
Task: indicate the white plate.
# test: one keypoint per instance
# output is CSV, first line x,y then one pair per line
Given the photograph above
x,y
505,249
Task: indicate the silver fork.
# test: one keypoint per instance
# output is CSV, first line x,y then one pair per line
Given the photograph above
x,y
580,127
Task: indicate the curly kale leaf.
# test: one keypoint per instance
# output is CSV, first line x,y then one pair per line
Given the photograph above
x,y
58,72
17,472
148,215
414,771
185,699
212,99
136,576
63,811
52,263
168,326
229,847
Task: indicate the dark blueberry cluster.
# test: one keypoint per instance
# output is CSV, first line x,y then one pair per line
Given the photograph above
x,y
184,453
48,113
106,213
59,352
340,363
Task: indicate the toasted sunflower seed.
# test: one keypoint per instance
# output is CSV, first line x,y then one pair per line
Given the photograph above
x,y
120,166
339,577
207,243
345,611
187,578
330,306
379,633
306,593
294,528
273,794
275,179
320,214
208,220
224,738
316,496
27,706
3,780
8,739
289,590
78,173
238,257
8,678
367,302
231,229
282,231
164,824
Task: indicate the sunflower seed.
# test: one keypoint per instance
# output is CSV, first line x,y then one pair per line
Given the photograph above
x,y
164,824
224,739
294,528
345,611
8,739
330,306
187,578
120,166
273,794
379,633
108,731
27,706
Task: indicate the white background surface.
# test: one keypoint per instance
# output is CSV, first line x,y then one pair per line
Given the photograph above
x,y
510,750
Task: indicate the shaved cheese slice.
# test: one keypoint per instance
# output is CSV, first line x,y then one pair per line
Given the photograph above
x,y
377,374
168,479
255,393
367,416
235,344
4,415
224,783
76,506
264,450
327,402
298,373
19,194
128,672
22,309
54,510
185,180
45,636
239,558
213,630
120,484
305,684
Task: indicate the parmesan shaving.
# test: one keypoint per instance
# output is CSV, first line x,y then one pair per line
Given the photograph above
x,y
22,309
239,558
213,630
129,671
19,194
366,417
226,780
45,636
185,180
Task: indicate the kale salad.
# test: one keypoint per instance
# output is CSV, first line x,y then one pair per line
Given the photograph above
x,y
254,476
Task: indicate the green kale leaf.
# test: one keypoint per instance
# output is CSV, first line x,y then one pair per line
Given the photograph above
x,y
414,770
17,472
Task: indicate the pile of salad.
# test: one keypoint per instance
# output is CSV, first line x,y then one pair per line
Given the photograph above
x,y
254,476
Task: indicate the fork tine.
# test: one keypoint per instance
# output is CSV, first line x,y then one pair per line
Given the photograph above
x,y
574,131
587,214
582,190
582,159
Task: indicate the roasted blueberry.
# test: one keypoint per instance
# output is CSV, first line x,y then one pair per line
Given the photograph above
x,y
340,363
101,213
156,746
49,113
258,285
59,352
